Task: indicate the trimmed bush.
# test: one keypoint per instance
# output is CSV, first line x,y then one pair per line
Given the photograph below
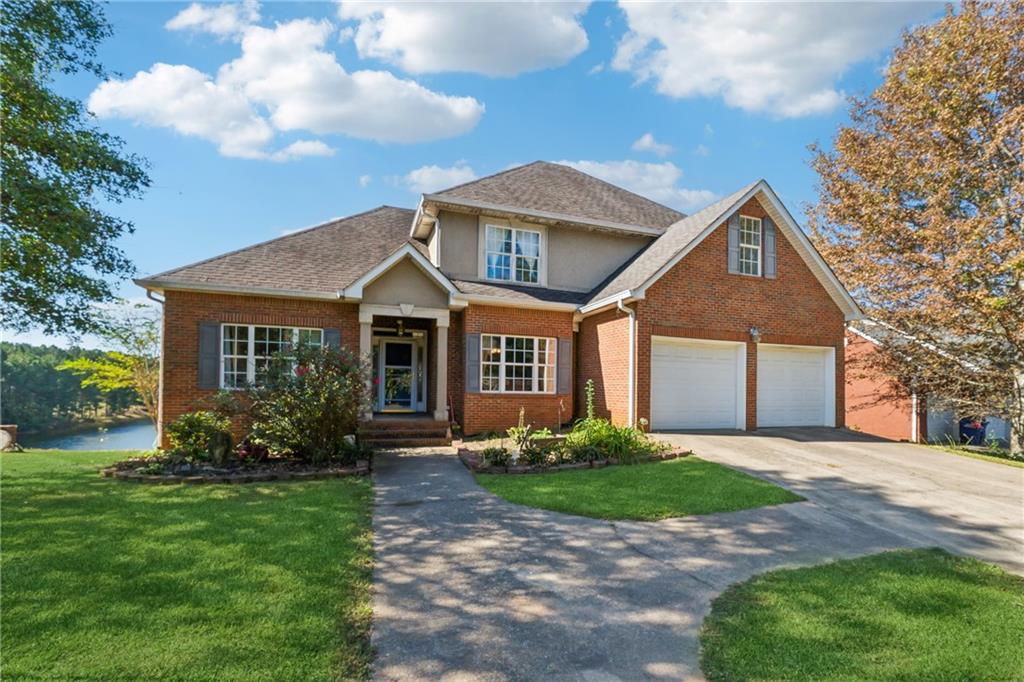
x,y
201,436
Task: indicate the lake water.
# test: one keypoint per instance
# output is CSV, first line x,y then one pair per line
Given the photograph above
x,y
133,436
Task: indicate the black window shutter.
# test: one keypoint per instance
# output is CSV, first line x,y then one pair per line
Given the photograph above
x,y
734,243
769,248
209,355
332,338
472,363
564,368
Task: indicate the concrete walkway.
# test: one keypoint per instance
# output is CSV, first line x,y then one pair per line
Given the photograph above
x,y
468,586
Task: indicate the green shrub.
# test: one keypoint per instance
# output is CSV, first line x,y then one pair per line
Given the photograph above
x,y
495,456
201,436
311,399
594,435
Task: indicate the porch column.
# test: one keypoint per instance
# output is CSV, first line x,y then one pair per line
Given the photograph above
x,y
441,371
366,352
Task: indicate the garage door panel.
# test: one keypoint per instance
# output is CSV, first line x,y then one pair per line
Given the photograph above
x,y
693,385
793,386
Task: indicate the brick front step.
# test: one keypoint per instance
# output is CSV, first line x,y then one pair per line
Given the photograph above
x,y
410,442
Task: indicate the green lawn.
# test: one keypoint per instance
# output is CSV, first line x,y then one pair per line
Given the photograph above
x,y
906,615
109,580
963,452
644,492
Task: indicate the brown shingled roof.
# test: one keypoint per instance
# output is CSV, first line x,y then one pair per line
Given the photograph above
x,y
554,188
320,260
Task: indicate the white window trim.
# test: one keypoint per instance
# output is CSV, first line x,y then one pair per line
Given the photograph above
x,y
250,361
759,258
515,225
552,348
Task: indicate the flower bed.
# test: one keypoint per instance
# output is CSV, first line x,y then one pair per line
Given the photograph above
x,y
155,470
474,461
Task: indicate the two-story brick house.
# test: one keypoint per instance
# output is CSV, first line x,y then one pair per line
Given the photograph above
x,y
513,290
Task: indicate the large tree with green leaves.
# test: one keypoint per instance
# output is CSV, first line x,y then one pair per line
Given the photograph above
x,y
59,254
921,209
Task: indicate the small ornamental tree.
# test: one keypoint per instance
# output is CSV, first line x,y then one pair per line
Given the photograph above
x,y
310,400
921,211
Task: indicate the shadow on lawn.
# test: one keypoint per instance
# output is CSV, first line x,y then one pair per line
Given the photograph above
x,y
468,583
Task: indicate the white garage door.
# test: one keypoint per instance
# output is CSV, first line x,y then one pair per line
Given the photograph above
x,y
697,384
795,386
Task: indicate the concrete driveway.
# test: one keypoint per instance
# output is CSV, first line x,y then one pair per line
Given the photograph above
x,y
470,587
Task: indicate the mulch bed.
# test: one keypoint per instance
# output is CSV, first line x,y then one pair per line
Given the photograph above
x,y
474,462
271,470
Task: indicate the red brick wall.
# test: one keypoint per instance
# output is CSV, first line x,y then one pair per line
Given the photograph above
x,y
483,412
603,355
183,311
699,298
456,366
865,410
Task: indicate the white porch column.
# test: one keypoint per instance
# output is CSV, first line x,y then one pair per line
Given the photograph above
x,y
441,371
366,353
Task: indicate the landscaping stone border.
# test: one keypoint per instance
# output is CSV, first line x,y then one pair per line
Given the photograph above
x,y
361,468
471,459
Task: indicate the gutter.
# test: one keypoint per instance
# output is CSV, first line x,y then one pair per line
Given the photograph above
x,y
631,370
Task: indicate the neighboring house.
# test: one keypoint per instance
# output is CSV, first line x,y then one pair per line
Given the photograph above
x,y
513,290
871,405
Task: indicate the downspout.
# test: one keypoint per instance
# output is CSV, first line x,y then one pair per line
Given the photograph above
x,y
631,371
160,383
913,417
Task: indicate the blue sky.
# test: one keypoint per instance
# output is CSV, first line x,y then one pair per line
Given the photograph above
x,y
726,93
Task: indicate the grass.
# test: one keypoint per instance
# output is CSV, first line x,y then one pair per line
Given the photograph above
x,y
644,492
905,615
963,452
108,580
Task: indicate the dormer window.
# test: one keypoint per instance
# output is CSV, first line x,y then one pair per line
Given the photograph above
x,y
750,245
512,254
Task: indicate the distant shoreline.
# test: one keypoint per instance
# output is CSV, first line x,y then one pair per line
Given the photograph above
x,y
26,438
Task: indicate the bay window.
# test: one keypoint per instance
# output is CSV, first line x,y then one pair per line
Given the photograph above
x,y
247,349
517,364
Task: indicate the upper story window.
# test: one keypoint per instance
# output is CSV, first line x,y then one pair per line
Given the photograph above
x,y
246,350
750,245
512,254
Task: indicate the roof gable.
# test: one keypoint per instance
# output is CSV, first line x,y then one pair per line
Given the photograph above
x,y
551,188
667,250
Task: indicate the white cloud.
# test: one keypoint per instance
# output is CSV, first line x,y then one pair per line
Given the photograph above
x,y
701,150
288,70
647,143
596,69
708,130
427,179
225,20
186,100
783,59
365,180
284,80
657,181
302,148
491,38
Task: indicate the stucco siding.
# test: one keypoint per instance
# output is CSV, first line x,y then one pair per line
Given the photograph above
x,y
405,283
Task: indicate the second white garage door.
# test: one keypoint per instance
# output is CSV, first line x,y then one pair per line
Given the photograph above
x,y
697,384
795,386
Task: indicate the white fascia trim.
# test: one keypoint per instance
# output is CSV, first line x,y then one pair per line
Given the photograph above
x,y
626,296
865,336
354,291
158,286
505,302
545,215
832,284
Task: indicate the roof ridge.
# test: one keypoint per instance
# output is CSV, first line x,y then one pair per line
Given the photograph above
x,y
619,188
487,177
282,237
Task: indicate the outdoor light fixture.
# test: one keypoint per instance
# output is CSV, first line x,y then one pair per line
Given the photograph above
x,y
401,328
755,335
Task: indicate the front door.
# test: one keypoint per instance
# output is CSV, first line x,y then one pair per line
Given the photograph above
x,y
397,372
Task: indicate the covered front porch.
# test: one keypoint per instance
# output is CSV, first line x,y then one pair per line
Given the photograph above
x,y
407,348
